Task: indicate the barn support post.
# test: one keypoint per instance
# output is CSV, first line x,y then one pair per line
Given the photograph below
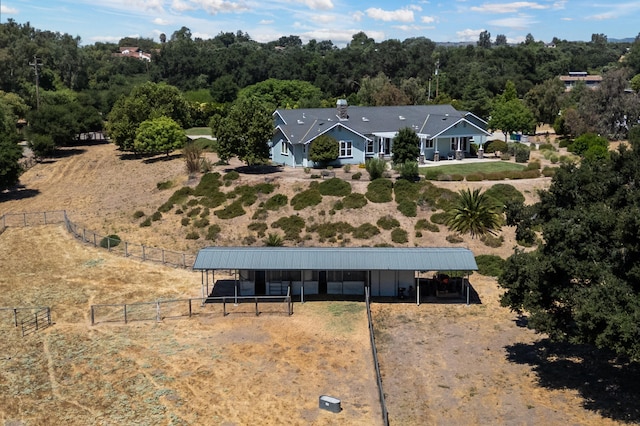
x,y
418,290
202,286
301,289
235,288
467,285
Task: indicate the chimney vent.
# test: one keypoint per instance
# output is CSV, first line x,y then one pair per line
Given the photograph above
x,y
342,106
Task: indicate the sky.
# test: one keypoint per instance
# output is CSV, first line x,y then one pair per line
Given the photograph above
x,y
335,20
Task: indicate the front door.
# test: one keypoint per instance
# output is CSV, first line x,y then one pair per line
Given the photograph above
x,y
261,284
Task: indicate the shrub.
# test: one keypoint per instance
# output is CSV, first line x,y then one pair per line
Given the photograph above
x,y
192,152
454,238
194,212
375,167
365,231
522,154
201,223
436,197
156,216
379,191
146,222
138,214
505,156
324,149
504,192
549,171
388,222
409,171
264,188
347,168
334,186
408,208
439,218
399,236
308,198
193,235
205,213
330,229
496,146
249,240
260,214
213,232
533,165
546,146
406,190
426,225
292,226
110,241
338,205
213,199
275,202
492,241
232,175
307,170
356,176
259,227
232,210
490,265
474,177
354,200
418,234
164,185
553,158
185,221
209,183
273,240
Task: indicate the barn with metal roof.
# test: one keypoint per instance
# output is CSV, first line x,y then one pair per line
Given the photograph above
x,y
385,271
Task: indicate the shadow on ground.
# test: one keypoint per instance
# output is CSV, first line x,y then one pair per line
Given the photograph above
x,y
258,170
18,193
609,385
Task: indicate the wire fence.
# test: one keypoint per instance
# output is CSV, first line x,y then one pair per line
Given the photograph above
x,y
181,308
108,242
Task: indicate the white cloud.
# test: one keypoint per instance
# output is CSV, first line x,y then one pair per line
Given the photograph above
x,y
8,10
160,21
428,19
212,7
357,16
513,7
469,34
324,19
318,4
401,15
266,22
519,22
614,11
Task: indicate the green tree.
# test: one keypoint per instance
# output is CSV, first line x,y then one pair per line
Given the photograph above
x,y
324,149
284,93
544,100
10,169
159,135
581,284
147,101
474,213
244,132
511,116
406,146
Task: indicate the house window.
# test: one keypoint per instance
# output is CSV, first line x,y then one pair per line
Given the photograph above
x,y
345,149
428,143
371,146
284,148
463,144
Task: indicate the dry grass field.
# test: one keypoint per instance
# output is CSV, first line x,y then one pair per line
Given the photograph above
x,y
442,363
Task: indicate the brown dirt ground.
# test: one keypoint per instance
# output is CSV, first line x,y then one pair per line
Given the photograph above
x,y
442,363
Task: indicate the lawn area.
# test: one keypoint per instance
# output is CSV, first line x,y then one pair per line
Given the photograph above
x,y
466,169
198,131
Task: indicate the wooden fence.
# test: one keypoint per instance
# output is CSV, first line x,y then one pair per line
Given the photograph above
x,y
376,362
125,248
181,308
29,319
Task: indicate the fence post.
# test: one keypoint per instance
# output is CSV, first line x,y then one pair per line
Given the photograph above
x,y
45,218
24,219
257,311
15,316
4,223
37,312
84,235
108,243
143,255
162,256
126,249
189,308
224,306
48,315
158,311
184,261
95,244
125,313
93,318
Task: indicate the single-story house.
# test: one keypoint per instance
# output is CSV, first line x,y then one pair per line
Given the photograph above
x,y
570,81
300,271
367,132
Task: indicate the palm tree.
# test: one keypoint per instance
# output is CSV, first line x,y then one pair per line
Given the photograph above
x,y
474,213
273,240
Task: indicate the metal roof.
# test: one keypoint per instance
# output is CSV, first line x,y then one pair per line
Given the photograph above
x,y
339,258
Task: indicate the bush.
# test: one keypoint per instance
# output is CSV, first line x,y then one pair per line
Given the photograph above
x,y
334,186
232,210
408,208
549,171
375,167
546,146
399,236
292,226
273,240
338,205
164,185
201,223
426,225
406,190
522,154
232,175
388,222
308,198
138,214
110,241
354,200
439,218
533,165
193,235
379,191
504,192
208,184
330,229
194,212
259,227
454,238
490,265
192,152
146,222
347,168
492,241
185,221
275,202
156,216
409,171
356,176
496,146
213,232
475,177
365,231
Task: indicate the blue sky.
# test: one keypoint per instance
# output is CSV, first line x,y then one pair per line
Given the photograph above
x,y
335,20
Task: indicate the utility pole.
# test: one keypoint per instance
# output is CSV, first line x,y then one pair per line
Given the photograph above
x,y
437,76
36,64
